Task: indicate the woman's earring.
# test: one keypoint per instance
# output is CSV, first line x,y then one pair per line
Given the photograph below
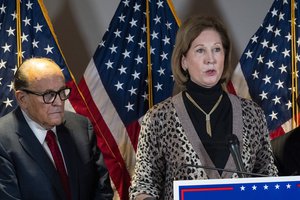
x,y
185,71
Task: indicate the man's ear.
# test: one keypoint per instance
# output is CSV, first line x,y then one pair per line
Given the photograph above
x,y
21,97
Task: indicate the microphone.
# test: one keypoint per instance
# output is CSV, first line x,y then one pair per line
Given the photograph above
x,y
234,147
221,169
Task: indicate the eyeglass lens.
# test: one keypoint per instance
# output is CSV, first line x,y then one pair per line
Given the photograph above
x,y
63,94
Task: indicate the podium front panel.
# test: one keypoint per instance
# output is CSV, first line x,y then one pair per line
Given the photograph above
x,y
275,188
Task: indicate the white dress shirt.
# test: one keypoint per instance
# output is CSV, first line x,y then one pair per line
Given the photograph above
x,y
40,133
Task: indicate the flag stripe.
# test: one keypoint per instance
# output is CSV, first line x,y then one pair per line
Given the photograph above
x,y
113,158
115,83
239,83
114,126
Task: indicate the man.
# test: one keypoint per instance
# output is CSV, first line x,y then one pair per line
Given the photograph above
x,y
46,152
286,151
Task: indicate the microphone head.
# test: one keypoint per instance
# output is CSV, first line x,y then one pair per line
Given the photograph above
x,y
232,140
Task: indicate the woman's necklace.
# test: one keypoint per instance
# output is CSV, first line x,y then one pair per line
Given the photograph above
x,y
207,115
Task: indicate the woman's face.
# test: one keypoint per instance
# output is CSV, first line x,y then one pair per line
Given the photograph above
x,y
205,59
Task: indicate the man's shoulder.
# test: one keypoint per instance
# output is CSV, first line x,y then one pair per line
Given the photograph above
x,y
8,128
8,120
72,115
75,121
289,138
286,152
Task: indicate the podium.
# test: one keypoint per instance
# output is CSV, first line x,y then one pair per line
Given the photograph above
x,y
261,188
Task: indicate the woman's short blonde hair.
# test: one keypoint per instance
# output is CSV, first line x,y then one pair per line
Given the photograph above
x,y
187,33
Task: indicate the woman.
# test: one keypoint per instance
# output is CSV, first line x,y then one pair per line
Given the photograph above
x,y
191,129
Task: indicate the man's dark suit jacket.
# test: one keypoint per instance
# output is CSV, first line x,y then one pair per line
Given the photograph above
x,y
26,171
286,149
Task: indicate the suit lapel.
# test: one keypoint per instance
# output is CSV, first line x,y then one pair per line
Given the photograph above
x,y
70,156
33,148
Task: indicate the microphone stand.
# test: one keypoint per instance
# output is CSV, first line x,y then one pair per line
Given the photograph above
x,y
234,147
225,170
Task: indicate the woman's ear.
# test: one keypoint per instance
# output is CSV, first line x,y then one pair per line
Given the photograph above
x,y
183,63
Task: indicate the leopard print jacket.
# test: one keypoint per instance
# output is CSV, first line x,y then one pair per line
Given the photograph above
x,y
169,148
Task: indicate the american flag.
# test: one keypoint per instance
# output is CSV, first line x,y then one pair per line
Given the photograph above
x,y
36,39
117,82
264,72
275,188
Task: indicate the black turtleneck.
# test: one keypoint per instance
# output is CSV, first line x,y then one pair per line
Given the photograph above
x,y
220,119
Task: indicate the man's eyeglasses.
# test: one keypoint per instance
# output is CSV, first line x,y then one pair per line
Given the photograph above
x,y
50,96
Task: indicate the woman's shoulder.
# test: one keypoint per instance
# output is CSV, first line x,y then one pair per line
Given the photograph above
x,y
245,102
164,108
165,104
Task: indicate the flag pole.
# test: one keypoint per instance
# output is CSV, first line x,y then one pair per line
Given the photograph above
x,y
173,12
150,89
19,42
294,90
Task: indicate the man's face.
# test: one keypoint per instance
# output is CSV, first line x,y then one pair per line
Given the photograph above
x,y
47,115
